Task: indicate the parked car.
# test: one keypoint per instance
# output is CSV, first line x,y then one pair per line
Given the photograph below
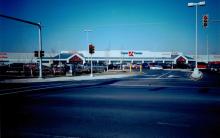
x,y
136,66
202,65
155,66
182,66
3,68
113,66
145,66
55,70
165,65
214,67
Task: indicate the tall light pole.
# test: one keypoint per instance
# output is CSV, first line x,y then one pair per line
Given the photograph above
x,y
87,39
196,73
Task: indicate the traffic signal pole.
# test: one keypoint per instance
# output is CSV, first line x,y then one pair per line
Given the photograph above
x,y
39,52
205,26
91,51
40,37
91,67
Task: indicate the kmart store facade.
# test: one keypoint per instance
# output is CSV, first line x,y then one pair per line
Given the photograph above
x,y
119,57
109,57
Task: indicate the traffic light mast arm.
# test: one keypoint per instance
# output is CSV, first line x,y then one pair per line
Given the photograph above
x,y
20,20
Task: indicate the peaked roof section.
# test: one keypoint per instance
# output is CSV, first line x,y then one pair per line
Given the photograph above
x,y
189,57
174,56
63,56
186,57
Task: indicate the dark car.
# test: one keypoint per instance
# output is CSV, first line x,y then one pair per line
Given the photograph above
x,y
214,67
113,66
165,65
182,66
145,66
3,68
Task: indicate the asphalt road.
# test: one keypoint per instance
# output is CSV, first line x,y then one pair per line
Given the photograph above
x,y
155,104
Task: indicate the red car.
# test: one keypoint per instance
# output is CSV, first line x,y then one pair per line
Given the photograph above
x,y
202,65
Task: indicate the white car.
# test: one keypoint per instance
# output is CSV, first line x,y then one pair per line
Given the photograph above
x,y
156,67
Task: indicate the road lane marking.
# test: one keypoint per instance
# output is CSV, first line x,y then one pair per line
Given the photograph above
x,y
161,79
27,87
152,85
58,86
149,75
172,124
164,74
47,135
53,86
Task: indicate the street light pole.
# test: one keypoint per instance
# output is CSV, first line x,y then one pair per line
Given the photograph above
x,y
196,73
196,36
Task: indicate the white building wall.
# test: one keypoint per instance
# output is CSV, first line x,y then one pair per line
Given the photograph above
x,y
109,56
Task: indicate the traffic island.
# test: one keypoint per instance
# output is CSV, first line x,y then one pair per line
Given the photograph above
x,y
196,75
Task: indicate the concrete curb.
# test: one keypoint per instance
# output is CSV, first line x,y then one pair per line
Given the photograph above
x,y
72,78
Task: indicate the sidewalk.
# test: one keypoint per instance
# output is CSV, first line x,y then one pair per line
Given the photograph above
x,y
70,78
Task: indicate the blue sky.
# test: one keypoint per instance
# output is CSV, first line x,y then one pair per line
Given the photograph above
x,y
154,25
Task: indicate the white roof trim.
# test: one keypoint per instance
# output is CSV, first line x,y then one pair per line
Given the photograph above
x,y
76,55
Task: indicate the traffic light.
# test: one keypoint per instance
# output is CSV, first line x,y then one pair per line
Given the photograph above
x,y
35,53
91,49
41,53
205,21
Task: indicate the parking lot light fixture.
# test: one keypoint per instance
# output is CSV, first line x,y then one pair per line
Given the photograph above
x,y
196,73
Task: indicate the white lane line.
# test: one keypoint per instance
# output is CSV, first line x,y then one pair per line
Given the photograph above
x,y
149,75
47,135
161,79
58,86
167,86
27,87
164,74
172,124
